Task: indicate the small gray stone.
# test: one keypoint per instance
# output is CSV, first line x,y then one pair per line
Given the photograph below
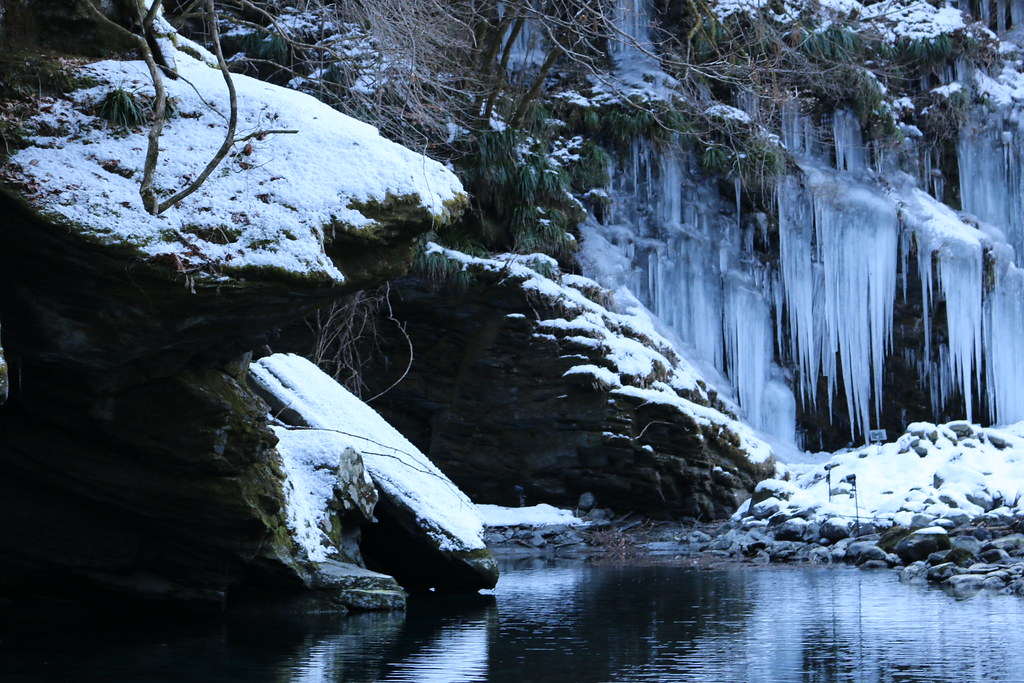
x,y
1008,543
997,441
961,429
874,564
766,508
819,555
968,543
965,583
699,536
921,520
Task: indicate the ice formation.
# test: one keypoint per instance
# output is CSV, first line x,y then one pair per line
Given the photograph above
x,y
852,228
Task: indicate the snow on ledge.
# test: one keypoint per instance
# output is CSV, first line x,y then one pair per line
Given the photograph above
x,y
268,204
398,468
534,515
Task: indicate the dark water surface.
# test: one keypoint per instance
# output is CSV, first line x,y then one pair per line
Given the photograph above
x,y
581,622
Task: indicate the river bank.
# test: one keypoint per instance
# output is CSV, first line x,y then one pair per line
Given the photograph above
x,y
984,553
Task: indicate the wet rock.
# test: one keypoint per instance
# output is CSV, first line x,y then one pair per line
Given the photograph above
x,y
859,551
965,583
919,544
961,556
792,530
355,587
835,529
915,573
994,583
942,572
994,556
874,564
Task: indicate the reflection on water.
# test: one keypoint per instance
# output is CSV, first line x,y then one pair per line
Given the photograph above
x,y
582,622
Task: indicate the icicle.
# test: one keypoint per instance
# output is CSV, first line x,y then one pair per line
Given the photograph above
x,y
748,347
992,176
1004,352
796,227
840,300
849,142
1016,13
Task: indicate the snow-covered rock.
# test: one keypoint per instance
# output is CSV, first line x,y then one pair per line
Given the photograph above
x,y
299,175
430,533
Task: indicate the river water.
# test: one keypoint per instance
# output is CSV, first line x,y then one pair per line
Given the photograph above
x,y
581,622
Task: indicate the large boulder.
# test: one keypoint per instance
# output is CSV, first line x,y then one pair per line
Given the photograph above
x,y
919,544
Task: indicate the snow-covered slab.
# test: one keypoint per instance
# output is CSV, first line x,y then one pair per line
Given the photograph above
x,y
298,172
533,515
313,399
318,465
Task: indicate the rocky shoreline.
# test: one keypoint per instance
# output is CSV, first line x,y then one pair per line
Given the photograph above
x,y
985,553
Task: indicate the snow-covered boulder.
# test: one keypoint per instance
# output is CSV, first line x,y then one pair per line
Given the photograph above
x,y
429,533
301,186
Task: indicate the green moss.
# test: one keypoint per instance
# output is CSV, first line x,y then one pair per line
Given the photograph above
x,y
892,537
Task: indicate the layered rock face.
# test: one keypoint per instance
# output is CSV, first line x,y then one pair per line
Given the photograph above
x,y
134,453
136,461
503,396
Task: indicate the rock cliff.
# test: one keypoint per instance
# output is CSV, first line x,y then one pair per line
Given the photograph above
x,y
136,460
523,381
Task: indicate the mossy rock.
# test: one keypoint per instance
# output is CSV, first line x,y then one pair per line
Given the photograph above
x,y
892,537
961,557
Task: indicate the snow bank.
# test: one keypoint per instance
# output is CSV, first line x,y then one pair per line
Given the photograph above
x,y
398,468
956,471
271,203
534,515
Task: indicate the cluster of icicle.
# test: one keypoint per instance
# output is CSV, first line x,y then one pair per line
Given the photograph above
x,y
849,222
